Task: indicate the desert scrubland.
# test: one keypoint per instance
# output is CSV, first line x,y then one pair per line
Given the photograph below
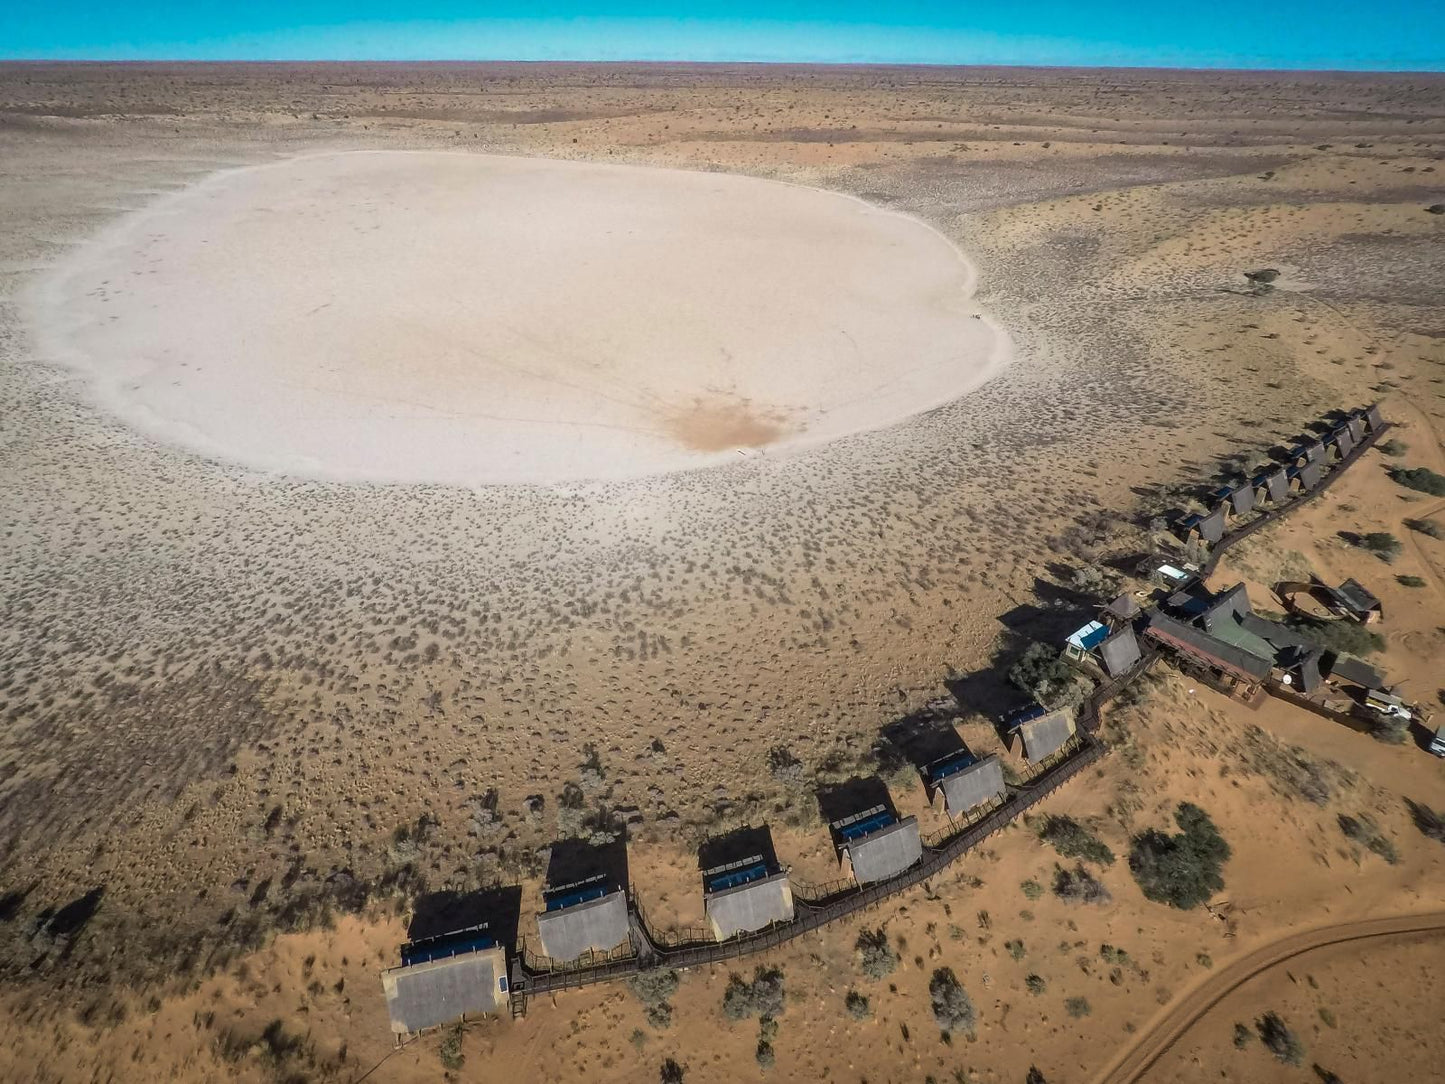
x,y
251,715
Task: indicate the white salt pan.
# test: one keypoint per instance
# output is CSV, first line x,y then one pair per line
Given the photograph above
x,y
469,319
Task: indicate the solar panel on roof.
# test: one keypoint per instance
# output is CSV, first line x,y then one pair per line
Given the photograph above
x,y
573,898
867,826
735,877
439,948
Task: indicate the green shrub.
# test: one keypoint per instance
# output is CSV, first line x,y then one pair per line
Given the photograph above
x,y
766,1058
1283,1043
1032,889
857,1005
450,1050
672,1073
1078,885
764,996
1181,870
1078,1007
1393,447
1042,673
952,1008
876,957
1242,1036
1428,527
1410,581
1428,821
1382,544
1036,984
1337,636
1015,949
655,989
1420,479
1072,840
1111,955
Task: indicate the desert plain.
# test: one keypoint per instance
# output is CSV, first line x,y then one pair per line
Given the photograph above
x,y
346,567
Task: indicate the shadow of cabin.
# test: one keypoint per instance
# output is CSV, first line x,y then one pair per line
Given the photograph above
x,y
438,913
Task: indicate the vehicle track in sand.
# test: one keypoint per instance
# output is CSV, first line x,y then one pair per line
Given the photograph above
x,y
1135,1061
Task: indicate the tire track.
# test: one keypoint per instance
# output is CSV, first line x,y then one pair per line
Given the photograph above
x,y
1134,1061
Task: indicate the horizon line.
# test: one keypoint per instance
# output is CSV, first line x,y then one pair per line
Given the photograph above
x,y
540,61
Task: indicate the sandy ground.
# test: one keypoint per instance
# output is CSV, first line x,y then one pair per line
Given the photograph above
x,y
236,704
472,319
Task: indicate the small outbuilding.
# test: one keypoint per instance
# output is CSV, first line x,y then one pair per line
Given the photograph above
x,y
1047,734
1355,423
1352,599
876,844
1275,485
1343,441
965,782
744,888
1120,653
445,978
587,916
1374,421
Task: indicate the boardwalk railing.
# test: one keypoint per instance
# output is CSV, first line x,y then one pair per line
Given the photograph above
x,y
691,948
817,905
1234,537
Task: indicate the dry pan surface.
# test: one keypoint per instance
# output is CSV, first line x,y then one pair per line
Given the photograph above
x,y
471,319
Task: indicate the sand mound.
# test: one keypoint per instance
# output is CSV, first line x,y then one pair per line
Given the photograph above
x,y
426,316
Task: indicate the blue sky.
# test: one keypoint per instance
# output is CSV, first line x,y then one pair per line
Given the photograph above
x,y
1384,34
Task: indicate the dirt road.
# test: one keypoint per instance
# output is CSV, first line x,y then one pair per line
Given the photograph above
x,y
1134,1061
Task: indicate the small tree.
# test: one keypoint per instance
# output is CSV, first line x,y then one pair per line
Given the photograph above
x,y
450,1051
952,1008
1182,870
1421,479
1072,840
1042,673
876,957
672,1073
1283,1043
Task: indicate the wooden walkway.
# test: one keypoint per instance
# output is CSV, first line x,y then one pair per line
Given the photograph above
x,y
531,975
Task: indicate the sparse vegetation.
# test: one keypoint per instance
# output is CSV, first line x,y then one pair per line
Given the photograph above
x,y
1411,581
1072,840
1035,984
1392,447
450,1048
1427,527
1337,635
764,996
1243,1036
1078,885
1078,1007
1382,544
857,1005
1366,833
671,1072
1181,870
1420,479
1032,890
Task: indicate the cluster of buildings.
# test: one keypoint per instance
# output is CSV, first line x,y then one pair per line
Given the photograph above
x,y
590,915
1310,458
